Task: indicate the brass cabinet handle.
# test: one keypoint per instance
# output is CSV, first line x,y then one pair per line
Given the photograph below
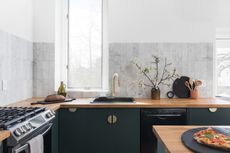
x,y
212,110
112,119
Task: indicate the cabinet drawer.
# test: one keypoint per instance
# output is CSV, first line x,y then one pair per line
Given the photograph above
x,y
206,116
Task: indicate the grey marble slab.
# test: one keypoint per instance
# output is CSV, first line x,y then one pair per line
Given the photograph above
x,y
43,69
190,59
16,67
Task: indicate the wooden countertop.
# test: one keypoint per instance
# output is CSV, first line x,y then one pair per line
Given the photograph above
x,y
4,135
140,103
170,136
27,103
149,103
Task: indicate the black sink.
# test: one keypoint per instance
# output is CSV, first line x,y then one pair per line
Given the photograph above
x,y
113,100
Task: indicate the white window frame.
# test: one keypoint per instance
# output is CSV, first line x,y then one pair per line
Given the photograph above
x,y
218,38
61,46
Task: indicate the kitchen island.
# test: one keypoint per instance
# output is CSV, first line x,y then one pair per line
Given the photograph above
x,y
170,137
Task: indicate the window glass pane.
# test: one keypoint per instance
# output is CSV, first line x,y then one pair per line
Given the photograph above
x,y
223,67
85,44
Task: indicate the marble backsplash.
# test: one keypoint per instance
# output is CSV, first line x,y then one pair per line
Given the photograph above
x,y
190,59
16,68
43,69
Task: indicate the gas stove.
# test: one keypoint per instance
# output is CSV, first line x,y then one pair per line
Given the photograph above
x,y
24,122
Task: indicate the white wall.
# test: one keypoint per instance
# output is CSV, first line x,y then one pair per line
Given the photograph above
x,y
223,18
16,17
44,20
148,20
162,20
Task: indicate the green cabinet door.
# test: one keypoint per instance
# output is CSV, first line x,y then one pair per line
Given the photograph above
x,y
89,131
206,116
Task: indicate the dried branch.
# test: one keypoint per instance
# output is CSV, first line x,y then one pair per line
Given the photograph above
x,y
144,72
165,77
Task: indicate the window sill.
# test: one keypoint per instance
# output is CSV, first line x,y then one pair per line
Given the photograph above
x,y
224,97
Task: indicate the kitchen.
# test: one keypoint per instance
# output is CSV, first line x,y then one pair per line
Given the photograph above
x,y
137,76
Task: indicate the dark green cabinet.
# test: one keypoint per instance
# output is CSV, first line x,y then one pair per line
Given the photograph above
x,y
206,116
55,132
1,147
99,130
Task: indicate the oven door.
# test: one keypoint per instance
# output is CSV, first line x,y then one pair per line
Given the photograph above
x,y
25,148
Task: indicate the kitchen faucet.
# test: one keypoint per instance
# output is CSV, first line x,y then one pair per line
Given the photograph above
x,y
115,75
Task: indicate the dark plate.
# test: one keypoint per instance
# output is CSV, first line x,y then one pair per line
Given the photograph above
x,y
179,88
189,142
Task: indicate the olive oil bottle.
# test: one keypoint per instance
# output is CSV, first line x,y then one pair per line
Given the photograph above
x,y
61,89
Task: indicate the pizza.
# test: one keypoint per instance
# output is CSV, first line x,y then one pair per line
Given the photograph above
x,y
212,138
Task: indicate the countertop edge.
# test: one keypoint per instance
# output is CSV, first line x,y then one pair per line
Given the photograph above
x,y
4,135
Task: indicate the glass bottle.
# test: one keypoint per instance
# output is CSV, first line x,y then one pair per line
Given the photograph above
x,y
61,89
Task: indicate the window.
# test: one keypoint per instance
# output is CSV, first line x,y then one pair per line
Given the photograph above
x,y
223,66
81,47
85,44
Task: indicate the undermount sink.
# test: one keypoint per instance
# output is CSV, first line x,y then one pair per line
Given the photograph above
x,y
113,100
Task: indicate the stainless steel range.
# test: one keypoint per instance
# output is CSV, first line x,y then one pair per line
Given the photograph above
x,y
25,123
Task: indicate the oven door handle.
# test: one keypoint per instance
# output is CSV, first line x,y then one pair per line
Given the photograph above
x,y
22,148
47,130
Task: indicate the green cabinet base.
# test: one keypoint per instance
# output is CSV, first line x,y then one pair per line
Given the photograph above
x,y
91,131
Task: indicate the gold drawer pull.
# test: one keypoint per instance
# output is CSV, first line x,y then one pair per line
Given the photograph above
x,y
112,119
213,110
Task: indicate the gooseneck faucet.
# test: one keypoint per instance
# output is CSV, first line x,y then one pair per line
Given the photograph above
x,y
115,75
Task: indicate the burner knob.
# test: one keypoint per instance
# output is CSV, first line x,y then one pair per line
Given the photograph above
x,y
17,132
24,128
30,126
48,115
53,112
20,130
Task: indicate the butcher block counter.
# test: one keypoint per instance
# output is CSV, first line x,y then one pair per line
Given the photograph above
x,y
139,103
4,135
149,103
170,136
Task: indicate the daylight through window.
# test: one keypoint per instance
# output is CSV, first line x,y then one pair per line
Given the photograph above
x,y
85,44
223,67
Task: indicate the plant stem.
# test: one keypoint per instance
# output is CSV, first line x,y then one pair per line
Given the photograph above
x,y
149,86
157,73
163,73
145,75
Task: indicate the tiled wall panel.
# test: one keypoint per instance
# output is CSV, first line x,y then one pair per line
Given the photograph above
x,y
43,69
16,68
190,59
